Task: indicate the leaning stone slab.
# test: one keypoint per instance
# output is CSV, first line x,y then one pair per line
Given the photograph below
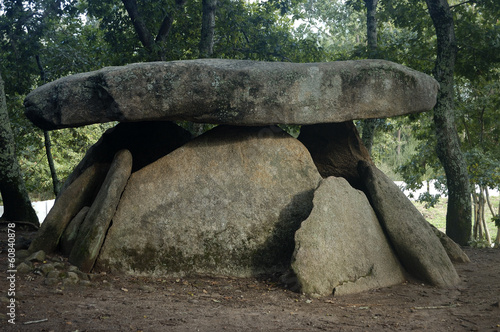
x,y
341,247
96,223
239,92
147,141
414,241
226,203
455,253
79,194
70,234
336,149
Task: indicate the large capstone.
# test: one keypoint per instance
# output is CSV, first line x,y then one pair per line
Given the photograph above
x,y
226,203
238,92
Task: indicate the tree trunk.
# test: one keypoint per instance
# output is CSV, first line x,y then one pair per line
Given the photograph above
x,y
458,216
154,46
483,218
398,148
497,240
17,205
48,149
368,133
48,143
477,226
371,28
370,125
207,28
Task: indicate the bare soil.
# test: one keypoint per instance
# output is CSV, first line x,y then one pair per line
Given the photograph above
x,y
123,303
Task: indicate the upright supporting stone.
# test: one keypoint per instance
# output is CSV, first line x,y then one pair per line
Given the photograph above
x,y
341,247
79,194
71,232
455,253
93,229
226,203
147,141
414,241
336,149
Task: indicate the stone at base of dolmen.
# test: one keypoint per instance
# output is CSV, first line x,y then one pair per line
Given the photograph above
x,y
454,251
94,227
336,149
340,247
147,141
418,248
79,194
226,203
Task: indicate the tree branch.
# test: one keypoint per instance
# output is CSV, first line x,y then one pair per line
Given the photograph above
x,y
140,26
463,3
166,25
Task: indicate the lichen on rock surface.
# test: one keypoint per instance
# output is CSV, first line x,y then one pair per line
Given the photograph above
x,y
228,202
235,92
341,247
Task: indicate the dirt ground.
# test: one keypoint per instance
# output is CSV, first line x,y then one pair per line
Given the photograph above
x,y
118,303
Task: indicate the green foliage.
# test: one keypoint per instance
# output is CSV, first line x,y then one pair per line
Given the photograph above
x,y
42,41
496,220
479,243
68,148
339,28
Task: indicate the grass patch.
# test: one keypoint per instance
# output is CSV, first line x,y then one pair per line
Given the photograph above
x,y
437,215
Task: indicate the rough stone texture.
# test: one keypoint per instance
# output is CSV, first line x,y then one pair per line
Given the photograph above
x,y
46,268
226,203
71,279
237,92
23,268
147,141
96,223
341,247
79,194
416,245
336,149
38,256
455,253
71,232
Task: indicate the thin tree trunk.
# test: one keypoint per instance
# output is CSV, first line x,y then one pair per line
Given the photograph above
x,y
368,134
207,28
477,226
497,240
398,149
370,125
483,219
154,46
17,204
48,143
486,191
48,149
371,28
458,216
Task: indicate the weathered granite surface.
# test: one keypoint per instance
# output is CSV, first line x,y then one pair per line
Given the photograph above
x,y
238,92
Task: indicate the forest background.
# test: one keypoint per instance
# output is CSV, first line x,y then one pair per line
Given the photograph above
x,y
44,40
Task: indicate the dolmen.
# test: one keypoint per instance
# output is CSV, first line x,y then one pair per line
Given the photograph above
x,y
244,198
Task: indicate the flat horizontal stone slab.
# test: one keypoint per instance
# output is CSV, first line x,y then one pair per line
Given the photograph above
x,y
237,92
